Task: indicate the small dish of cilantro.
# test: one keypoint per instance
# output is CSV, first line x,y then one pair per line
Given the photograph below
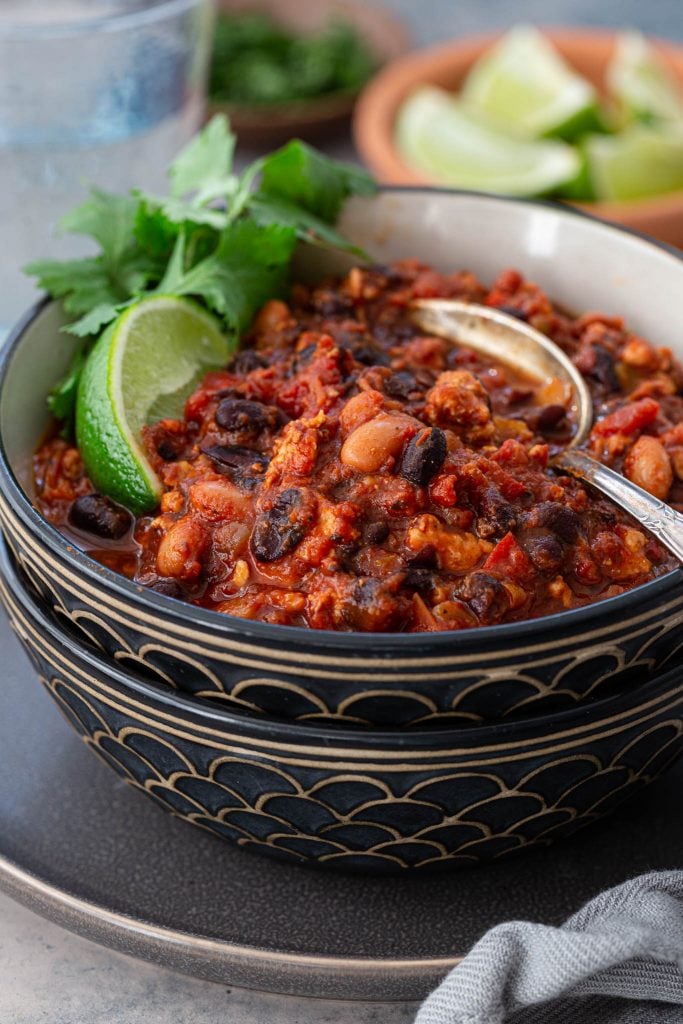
x,y
279,69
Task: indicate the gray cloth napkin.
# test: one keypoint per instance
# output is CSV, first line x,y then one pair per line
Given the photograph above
x,y
619,960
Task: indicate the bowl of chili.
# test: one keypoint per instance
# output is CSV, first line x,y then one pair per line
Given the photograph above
x,y
378,800
456,580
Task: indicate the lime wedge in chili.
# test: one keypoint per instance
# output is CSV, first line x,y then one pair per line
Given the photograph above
x,y
142,369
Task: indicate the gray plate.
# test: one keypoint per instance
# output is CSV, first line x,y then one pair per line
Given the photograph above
x,y
112,866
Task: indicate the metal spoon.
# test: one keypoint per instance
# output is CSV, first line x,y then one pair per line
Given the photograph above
x,y
508,340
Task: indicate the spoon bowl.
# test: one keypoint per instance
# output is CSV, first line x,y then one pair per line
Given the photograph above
x,y
512,342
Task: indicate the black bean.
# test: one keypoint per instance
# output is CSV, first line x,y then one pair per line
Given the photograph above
x,y
419,579
372,605
302,357
390,333
367,355
375,533
423,456
401,385
99,515
486,595
234,456
282,527
169,449
496,515
246,361
603,370
556,517
549,417
545,552
425,558
243,415
512,311
331,304
389,273
168,587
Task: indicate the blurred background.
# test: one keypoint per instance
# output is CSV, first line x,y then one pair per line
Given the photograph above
x,y
107,91
433,21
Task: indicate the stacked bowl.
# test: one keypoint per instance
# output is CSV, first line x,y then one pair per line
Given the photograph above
x,y
363,750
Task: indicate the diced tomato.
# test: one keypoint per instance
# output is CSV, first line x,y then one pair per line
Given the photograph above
x,y
508,559
442,491
628,418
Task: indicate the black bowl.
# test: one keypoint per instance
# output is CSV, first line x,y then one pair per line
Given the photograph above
x,y
461,677
383,800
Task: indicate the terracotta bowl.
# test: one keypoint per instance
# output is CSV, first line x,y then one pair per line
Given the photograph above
x,y
589,51
268,124
376,800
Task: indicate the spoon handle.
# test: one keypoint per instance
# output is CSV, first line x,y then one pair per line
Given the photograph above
x,y
656,516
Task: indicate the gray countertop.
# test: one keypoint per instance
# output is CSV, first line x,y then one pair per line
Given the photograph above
x,y
47,974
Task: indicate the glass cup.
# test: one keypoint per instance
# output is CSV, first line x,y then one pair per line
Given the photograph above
x,y
100,92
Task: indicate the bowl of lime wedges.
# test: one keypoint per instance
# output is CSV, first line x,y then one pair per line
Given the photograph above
x,y
587,116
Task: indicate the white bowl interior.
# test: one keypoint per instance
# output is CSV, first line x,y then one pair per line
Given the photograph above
x,y
582,263
41,361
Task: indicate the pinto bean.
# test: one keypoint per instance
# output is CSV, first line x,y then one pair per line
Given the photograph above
x,y
272,316
218,499
99,515
369,446
181,549
649,466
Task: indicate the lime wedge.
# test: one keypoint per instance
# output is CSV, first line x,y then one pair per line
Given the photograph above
x,y
142,368
640,161
445,142
524,84
641,82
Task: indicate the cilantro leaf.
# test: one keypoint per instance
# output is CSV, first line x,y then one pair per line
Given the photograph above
x,y
219,237
204,165
109,219
154,232
250,265
81,283
267,209
180,211
91,323
319,185
62,399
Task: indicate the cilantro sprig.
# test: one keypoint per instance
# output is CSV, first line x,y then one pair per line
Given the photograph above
x,y
223,238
